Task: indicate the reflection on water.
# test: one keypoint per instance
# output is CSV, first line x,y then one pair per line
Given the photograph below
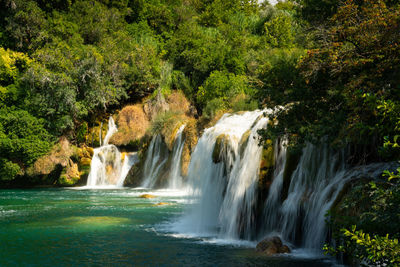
x,y
59,227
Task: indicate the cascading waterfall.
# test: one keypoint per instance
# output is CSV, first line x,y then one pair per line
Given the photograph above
x,y
156,158
112,129
225,190
224,176
107,168
175,180
315,184
273,202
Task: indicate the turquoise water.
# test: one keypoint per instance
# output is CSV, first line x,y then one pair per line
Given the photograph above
x,y
66,227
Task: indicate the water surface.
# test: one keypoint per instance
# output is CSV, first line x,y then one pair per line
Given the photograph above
x,y
114,227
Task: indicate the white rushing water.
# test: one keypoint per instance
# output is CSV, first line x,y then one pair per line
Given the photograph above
x,y
156,163
314,186
225,186
112,129
107,167
156,158
226,190
175,180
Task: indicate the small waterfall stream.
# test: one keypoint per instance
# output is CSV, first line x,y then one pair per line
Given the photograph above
x,y
317,180
156,158
159,160
107,167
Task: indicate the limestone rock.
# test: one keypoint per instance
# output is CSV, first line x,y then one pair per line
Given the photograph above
x,y
190,135
70,175
162,204
147,196
132,125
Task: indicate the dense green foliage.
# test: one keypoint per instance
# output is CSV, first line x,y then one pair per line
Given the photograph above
x,y
374,208
65,62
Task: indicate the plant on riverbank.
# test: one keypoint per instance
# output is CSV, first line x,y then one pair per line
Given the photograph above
x,y
372,207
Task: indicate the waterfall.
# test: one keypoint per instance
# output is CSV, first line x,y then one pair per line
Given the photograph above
x,y
314,186
112,129
107,168
227,201
175,180
273,203
224,182
156,158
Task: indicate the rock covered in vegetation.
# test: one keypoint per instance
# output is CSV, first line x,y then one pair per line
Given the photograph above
x,y
132,125
59,155
292,160
154,106
222,145
64,165
70,174
244,140
267,165
178,102
190,135
271,246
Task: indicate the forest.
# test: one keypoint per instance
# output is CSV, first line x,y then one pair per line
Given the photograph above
x,y
333,64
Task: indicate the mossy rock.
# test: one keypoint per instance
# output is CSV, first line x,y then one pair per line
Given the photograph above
x,y
170,136
147,196
132,126
244,140
190,135
90,150
267,165
60,154
85,162
221,144
94,137
70,174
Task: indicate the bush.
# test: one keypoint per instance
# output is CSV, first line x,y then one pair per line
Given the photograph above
x,y
223,85
22,140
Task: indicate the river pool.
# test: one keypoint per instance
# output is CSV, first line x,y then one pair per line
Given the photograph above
x,y
114,227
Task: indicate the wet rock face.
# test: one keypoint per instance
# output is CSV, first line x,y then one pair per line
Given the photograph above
x,y
222,148
271,246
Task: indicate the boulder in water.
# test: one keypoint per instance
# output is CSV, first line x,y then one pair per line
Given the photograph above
x,y
271,246
147,196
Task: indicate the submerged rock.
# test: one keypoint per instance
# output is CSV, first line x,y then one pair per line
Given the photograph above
x,y
147,196
162,204
271,246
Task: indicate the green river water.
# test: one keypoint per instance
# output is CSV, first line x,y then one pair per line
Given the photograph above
x,y
114,227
